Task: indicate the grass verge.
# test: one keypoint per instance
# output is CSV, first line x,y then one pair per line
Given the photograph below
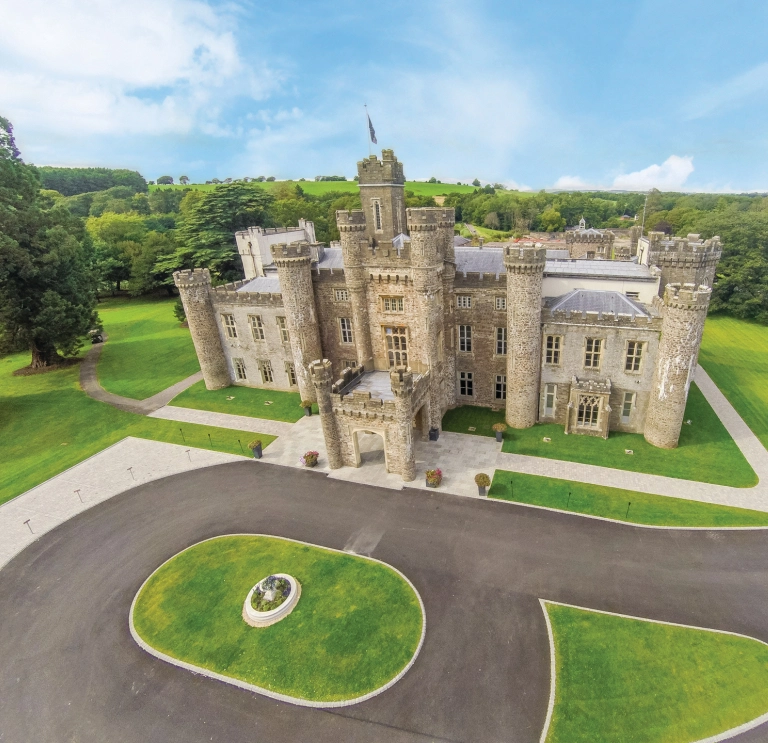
x,y
706,452
283,406
355,627
615,503
147,351
634,681
49,424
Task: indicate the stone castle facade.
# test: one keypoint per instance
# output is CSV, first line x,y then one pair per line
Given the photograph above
x,y
396,325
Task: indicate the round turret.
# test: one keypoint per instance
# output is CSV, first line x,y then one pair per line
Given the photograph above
x,y
321,374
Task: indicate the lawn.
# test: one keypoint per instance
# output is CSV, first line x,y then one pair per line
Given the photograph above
x,y
49,424
147,350
356,626
735,354
615,503
706,452
628,680
283,406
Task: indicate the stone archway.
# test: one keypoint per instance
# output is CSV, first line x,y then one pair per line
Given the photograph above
x,y
370,447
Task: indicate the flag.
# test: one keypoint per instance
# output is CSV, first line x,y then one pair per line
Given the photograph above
x,y
371,130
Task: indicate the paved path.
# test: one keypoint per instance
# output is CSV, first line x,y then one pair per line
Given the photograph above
x,y
71,671
222,420
90,383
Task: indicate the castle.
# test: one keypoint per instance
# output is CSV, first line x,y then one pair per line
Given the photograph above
x,y
395,325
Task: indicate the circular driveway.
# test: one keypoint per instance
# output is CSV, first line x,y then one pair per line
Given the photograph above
x,y
71,672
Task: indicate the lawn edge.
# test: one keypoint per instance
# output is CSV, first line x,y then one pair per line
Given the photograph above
x,y
725,735
199,670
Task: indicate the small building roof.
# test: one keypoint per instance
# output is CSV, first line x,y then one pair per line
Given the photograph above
x,y
584,300
262,284
459,241
599,269
332,258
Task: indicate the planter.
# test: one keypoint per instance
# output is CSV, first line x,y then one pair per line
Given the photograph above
x,y
499,436
481,491
256,452
264,618
307,412
310,464
432,484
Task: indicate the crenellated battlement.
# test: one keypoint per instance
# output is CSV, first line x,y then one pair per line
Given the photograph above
x,y
350,221
605,238
690,248
285,255
422,218
375,171
192,277
687,296
528,258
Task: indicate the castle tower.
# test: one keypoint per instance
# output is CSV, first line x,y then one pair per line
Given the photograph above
x,y
401,450
684,310
353,242
293,269
683,260
195,292
445,227
525,274
382,194
427,227
321,374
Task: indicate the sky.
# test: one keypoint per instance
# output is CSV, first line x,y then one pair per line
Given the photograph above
x,y
533,95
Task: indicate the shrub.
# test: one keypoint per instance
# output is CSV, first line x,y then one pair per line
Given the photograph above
x,y
305,404
482,480
254,443
499,427
178,311
434,477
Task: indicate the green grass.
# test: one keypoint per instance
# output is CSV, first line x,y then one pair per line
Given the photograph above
x,y
735,354
491,235
633,681
318,188
245,401
147,350
48,424
356,625
616,503
706,452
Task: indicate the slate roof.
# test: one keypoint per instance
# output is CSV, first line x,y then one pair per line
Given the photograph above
x,y
584,300
263,284
332,258
600,269
458,241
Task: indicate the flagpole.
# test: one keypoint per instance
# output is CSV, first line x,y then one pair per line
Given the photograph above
x,y
367,128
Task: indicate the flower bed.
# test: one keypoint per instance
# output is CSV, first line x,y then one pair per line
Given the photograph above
x,y
270,593
273,598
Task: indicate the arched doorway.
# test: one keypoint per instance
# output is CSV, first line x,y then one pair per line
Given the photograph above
x,y
370,447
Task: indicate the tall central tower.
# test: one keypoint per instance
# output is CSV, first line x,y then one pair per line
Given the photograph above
x,y
382,193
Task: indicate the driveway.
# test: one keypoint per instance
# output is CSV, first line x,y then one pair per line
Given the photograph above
x,y
71,672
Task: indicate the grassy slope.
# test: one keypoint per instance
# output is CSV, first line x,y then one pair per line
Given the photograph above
x,y
318,188
245,401
357,623
47,424
614,503
735,354
147,351
639,682
706,452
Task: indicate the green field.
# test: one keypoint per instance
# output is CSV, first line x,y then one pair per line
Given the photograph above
x,y
633,681
614,503
356,626
147,350
48,424
706,452
276,405
735,354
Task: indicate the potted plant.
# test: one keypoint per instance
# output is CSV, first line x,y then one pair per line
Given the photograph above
x,y
482,481
499,428
310,458
434,478
307,405
255,447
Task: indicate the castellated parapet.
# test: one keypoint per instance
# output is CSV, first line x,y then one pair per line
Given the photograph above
x,y
321,373
195,292
350,221
684,260
387,170
684,311
525,274
293,269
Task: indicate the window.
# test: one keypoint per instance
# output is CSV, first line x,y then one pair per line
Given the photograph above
x,y
290,370
501,387
392,304
501,341
552,349
257,327
633,295
465,384
501,303
348,363
626,408
229,325
464,301
266,371
283,329
592,353
439,345
377,215
465,338
239,365
589,409
634,355
397,346
342,295
550,398
346,329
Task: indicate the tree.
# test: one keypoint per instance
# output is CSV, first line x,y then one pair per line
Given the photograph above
x,y
476,183
271,178
550,220
165,180
72,181
47,284
184,180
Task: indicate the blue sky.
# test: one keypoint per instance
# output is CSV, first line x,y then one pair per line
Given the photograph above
x,y
536,95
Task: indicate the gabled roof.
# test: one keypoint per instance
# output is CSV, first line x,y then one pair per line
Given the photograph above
x,y
263,284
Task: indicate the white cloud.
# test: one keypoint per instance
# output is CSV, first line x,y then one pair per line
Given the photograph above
x,y
79,67
571,183
671,175
728,94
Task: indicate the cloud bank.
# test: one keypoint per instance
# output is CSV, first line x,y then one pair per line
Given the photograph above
x,y
671,175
